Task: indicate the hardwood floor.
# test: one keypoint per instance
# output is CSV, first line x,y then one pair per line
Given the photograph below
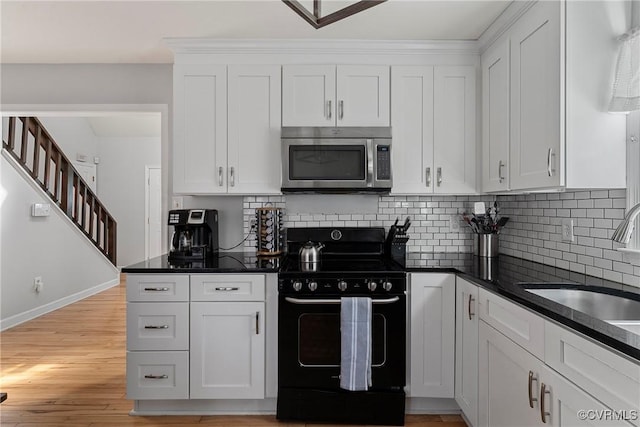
x,y
67,368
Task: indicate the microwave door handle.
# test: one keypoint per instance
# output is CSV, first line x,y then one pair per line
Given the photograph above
x,y
370,176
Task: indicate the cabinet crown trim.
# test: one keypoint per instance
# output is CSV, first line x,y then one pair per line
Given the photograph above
x,y
181,45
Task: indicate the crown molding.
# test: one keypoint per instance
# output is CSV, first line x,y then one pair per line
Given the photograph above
x,y
506,19
311,46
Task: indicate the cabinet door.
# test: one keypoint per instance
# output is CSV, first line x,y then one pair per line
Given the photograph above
x,y
466,377
565,403
432,334
362,95
503,382
454,129
536,157
308,95
412,124
495,117
227,350
199,128
254,129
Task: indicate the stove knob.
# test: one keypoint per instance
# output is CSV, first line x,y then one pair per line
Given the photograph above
x,y
387,286
297,285
342,285
313,286
372,286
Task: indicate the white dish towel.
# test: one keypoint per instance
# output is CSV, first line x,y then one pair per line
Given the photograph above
x,y
355,340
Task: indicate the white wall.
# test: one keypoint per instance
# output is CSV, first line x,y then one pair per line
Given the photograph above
x,y
121,187
73,135
51,247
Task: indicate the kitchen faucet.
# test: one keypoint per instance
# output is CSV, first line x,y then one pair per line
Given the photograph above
x,y
624,230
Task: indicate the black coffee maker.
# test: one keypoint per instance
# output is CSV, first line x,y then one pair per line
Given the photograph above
x,y
195,234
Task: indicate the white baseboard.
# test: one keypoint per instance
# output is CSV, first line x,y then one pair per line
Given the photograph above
x,y
17,319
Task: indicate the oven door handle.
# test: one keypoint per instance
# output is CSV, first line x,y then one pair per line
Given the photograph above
x,y
337,301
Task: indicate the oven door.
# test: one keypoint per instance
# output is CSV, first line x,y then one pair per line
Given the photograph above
x,y
327,164
309,342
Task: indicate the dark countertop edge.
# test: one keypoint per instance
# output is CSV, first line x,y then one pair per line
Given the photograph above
x,y
529,301
196,270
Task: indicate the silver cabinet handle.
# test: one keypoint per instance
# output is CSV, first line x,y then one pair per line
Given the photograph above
x,y
439,178
257,323
471,300
550,169
220,176
232,176
340,109
531,380
223,288
336,301
156,377
156,327
329,109
500,177
428,177
543,412
163,289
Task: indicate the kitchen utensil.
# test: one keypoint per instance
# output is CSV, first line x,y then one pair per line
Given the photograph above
x,y
406,225
310,252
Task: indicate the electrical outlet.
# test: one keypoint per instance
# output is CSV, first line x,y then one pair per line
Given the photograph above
x,y
454,224
38,284
176,203
567,230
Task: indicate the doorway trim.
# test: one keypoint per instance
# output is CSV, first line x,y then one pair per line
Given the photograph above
x,y
147,211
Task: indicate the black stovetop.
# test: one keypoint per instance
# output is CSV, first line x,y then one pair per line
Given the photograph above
x,y
342,264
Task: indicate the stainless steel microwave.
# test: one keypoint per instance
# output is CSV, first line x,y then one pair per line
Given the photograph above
x,y
336,160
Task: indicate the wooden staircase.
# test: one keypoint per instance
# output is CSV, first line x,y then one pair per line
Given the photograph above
x,y
34,149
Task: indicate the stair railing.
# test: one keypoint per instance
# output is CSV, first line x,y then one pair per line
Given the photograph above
x,y
30,144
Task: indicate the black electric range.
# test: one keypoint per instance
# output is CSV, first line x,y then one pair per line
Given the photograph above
x,y
352,264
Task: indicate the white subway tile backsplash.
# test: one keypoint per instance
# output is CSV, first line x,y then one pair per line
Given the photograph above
x,y
595,215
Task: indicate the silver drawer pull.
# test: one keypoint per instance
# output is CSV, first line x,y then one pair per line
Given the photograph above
x,y
156,326
156,377
336,301
163,289
227,289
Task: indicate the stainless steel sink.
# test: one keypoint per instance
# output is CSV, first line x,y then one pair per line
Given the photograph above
x,y
615,309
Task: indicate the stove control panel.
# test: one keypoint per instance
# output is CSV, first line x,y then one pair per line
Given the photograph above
x,y
343,286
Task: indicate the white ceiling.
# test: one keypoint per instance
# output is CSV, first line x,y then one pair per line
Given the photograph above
x,y
125,31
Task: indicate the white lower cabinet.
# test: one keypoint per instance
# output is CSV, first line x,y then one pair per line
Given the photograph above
x,y
227,350
466,370
432,324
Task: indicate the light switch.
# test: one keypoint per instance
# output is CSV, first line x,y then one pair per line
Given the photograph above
x,y
41,209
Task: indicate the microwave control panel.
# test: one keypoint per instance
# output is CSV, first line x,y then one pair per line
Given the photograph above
x,y
383,162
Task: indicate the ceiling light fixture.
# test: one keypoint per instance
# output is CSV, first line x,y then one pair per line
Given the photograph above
x,y
318,21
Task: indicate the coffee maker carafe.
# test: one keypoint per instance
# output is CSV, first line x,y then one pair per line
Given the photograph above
x,y
195,233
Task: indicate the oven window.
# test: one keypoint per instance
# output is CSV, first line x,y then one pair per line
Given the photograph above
x,y
327,163
319,339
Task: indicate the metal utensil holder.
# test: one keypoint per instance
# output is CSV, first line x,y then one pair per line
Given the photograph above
x,y
486,245
269,231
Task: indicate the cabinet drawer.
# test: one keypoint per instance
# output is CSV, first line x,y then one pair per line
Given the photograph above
x,y
158,326
609,377
228,287
157,287
522,326
157,375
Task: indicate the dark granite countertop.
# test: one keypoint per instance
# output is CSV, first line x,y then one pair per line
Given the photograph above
x,y
503,274
500,275
222,262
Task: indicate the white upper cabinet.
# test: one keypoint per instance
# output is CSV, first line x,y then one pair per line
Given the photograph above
x,y
535,98
556,66
254,129
495,117
454,129
329,95
226,129
412,128
433,126
199,128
